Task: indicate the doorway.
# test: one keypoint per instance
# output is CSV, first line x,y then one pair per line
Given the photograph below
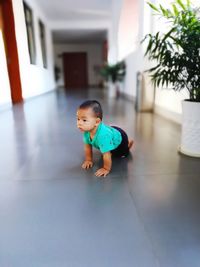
x,y
75,70
7,28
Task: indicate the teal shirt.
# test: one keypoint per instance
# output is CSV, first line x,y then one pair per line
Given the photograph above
x,y
106,138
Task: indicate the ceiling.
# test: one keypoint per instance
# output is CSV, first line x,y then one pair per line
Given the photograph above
x,y
76,10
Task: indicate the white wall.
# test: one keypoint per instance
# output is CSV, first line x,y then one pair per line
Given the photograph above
x,y
133,57
95,58
5,97
167,102
35,79
128,28
113,31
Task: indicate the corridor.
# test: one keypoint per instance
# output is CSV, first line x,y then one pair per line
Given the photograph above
x,y
146,213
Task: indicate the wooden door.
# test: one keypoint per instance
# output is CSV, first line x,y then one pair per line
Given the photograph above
x,y
7,25
75,70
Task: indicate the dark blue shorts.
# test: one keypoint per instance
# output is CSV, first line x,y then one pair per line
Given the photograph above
x,y
122,150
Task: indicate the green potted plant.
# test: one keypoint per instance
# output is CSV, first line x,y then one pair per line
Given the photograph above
x,y
177,64
56,73
113,73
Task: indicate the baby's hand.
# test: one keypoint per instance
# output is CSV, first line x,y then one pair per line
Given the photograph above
x,y
87,164
102,172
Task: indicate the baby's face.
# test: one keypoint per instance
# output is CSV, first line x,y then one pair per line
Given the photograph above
x,y
86,120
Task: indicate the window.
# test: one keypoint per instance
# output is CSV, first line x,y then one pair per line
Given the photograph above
x,y
30,33
43,43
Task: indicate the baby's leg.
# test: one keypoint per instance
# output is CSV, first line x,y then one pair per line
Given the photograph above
x,y
123,149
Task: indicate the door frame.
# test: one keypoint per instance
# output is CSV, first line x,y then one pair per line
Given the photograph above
x,y
10,44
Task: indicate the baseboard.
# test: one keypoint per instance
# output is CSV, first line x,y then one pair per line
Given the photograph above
x,y
4,107
90,86
170,115
127,97
40,95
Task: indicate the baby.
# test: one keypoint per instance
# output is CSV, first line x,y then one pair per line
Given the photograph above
x,y
110,140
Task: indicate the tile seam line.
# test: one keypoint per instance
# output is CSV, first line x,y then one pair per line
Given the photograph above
x,y
153,249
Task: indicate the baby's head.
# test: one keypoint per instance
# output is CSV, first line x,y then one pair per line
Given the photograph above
x,y
89,115
94,106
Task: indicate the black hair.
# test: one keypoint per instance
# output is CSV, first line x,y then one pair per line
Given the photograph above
x,y
95,106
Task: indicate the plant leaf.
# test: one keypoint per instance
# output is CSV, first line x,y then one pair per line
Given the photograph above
x,y
167,34
163,10
188,3
181,4
175,10
153,6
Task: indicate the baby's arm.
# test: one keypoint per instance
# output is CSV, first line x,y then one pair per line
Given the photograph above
x,y
107,164
88,163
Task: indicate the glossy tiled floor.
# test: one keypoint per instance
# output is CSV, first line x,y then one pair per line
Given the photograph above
x,y
146,213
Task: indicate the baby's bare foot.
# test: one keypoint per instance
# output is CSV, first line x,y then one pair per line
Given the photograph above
x,y
130,143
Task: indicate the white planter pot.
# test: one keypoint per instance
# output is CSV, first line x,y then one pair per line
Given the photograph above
x,y
190,136
112,90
